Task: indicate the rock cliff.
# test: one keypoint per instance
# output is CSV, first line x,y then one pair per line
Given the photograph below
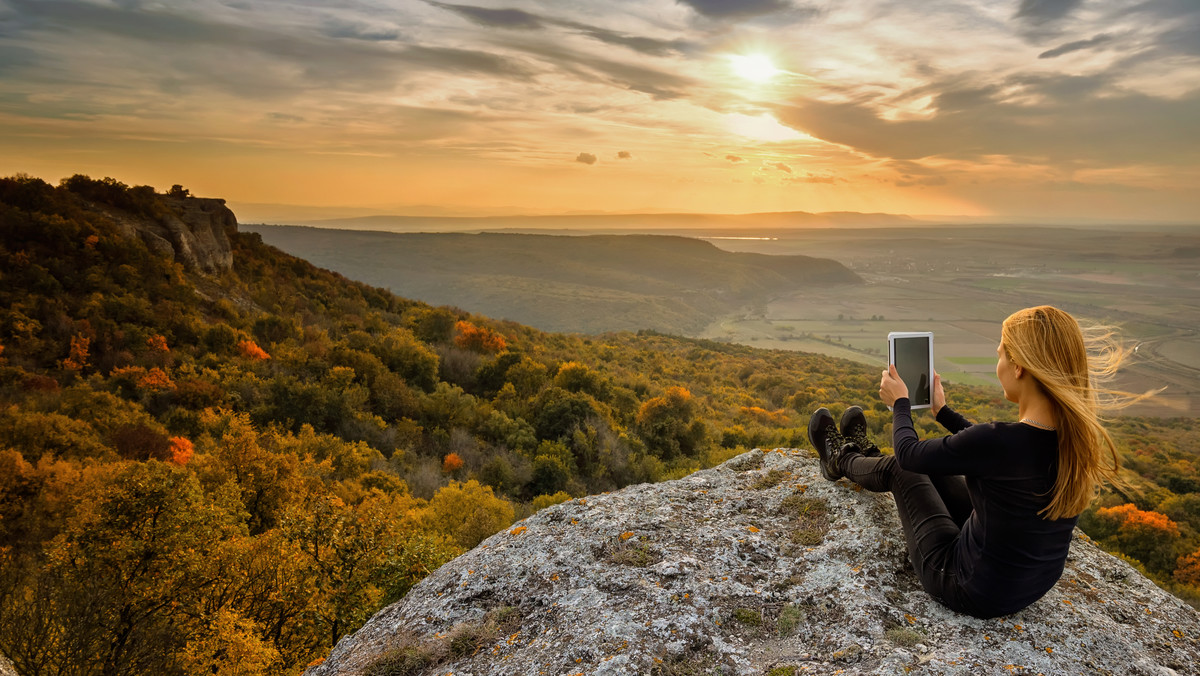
x,y
192,230
752,566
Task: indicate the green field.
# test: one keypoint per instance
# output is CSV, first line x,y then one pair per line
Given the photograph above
x,y
961,282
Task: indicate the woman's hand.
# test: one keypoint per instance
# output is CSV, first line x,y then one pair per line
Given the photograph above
x,y
891,387
937,396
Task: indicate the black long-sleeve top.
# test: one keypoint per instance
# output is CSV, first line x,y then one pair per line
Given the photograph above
x,y
1008,556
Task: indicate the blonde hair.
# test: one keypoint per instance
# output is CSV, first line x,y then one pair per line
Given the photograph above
x,y
1073,371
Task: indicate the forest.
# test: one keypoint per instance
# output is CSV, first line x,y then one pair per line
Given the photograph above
x,y
226,473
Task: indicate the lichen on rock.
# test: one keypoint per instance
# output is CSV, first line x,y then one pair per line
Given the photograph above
x,y
720,582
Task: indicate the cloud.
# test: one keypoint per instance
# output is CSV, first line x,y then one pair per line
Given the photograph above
x,y
734,158
644,45
624,155
521,20
924,181
731,9
356,31
659,84
1076,46
1044,11
495,18
778,165
586,158
262,54
815,178
1073,119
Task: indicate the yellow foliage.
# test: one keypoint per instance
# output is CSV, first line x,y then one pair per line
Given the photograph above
x,y
544,501
468,512
231,647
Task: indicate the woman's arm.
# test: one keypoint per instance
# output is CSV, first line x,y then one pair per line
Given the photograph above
x,y
965,452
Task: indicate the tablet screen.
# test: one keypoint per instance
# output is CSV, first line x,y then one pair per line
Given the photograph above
x,y
912,363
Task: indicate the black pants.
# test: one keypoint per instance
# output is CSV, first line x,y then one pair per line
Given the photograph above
x,y
932,511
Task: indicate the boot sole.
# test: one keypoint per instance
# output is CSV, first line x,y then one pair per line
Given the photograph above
x,y
812,429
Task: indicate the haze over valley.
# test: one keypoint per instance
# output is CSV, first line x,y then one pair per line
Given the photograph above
x,y
958,281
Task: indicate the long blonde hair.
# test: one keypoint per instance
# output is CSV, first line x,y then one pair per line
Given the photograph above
x,y
1073,371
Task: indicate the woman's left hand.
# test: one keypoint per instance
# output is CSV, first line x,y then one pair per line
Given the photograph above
x,y
891,387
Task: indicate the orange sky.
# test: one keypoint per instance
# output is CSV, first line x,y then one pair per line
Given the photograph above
x,y
1051,109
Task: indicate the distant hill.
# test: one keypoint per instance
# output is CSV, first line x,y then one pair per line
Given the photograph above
x,y
608,222
587,284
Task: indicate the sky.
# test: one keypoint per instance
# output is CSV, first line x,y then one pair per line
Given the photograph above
x,y
1056,110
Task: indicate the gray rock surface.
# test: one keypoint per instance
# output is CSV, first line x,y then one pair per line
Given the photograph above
x,y
6,667
194,233
753,565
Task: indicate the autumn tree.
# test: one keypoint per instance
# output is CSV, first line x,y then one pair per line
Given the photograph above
x,y
1147,536
1187,569
357,557
478,338
127,578
667,424
468,512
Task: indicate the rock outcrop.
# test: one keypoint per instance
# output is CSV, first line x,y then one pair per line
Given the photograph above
x,y
192,230
755,565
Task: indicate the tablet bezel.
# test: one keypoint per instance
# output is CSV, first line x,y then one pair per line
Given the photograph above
x,y
892,359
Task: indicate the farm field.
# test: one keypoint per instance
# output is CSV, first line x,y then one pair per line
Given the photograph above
x,y
960,283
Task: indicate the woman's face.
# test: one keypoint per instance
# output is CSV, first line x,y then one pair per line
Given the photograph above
x,y
1006,372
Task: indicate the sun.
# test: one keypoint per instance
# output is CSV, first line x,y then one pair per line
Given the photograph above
x,y
753,67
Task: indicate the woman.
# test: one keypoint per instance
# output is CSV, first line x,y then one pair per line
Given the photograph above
x,y
988,511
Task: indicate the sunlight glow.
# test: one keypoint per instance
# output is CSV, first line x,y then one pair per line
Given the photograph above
x,y
761,128
753,67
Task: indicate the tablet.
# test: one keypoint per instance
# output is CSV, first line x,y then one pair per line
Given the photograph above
x,y
912,353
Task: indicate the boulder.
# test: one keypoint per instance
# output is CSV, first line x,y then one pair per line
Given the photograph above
x,y
754,565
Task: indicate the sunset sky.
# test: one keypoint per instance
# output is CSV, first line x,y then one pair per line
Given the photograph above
x,y
1049,109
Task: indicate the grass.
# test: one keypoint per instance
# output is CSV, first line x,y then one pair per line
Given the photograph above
x,y
682,665
748,617
637,553
810,521
410,659
903,636
771,479
790,618
413,656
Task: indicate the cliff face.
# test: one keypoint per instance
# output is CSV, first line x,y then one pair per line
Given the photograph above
x,y
753,565
194,231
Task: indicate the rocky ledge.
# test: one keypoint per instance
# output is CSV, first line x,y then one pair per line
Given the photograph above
x,y
756,566
193,231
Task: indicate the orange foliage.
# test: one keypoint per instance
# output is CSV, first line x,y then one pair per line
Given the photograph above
x,y
181,450
762,415
155,379
1132,518
91,241
452,463
478,338
79,353
157,344
250,349
1188,569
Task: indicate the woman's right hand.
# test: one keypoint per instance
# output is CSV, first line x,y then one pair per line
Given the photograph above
x,y
937,396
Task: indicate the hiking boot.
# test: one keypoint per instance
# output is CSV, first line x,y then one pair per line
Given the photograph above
x,y
824,436
854,429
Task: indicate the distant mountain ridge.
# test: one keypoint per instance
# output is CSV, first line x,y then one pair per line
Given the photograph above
x,y
643,222
587,284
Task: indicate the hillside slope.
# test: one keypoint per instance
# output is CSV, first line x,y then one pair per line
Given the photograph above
x,y
587,284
